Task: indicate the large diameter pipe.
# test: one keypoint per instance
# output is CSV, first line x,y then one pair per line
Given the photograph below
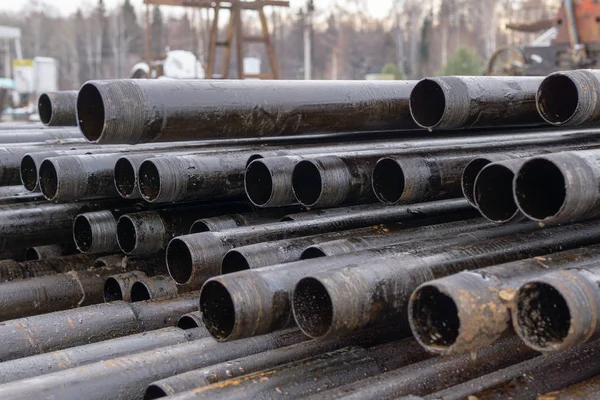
x,y
472,309
42,364
256,301
58,108
543,374
224,222
327,304
128,376
59,330
454,102
160,111
568,97
197,257
559,187
557,311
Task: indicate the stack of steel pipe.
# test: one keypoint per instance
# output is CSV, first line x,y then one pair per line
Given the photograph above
x,y
303,240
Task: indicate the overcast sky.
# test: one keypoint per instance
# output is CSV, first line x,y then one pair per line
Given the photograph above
x,y
378,8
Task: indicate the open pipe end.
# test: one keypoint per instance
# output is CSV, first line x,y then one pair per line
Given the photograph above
x,y
154,392
427,103
48,179
199,227
557,99
307,183
494,193
179,261
149,180
259,183
542,316
313,308
187,322
218,312
311,252
388,181
29,173
31,254
469,176
540,189
90,112
234,261
139,292
112,290
45,109
126,234
83,234
434,317
125,178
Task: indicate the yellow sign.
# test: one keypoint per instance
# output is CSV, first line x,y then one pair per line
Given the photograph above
x,y
22,63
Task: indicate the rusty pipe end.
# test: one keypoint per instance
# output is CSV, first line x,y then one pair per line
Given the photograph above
x,y
160,180
268,181
493,191
321,182
126,179
141,233
388,181
95,232
29,173
439,103
192,259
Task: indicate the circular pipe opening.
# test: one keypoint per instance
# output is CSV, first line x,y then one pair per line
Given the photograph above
x,y
306,182
125,178
45,109
139,292
253,157
434,317
388,181
90,112
29,173
259,183
557,99
82,234
494,193
199,227
112,290
427,103
187,322
543,316
217,309
126,234
313,309
234,261
154,392
149,180
540,189
48,179
469,176
179,261
312,252
31,254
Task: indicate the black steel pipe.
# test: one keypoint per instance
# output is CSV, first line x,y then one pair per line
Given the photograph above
x,y
41,364
470,310
195,258
129,376
118,287
559,187
96,232
328,303
12,270
59,330
224,222
157,287
162,111
36,135
17,194
453,102
58,108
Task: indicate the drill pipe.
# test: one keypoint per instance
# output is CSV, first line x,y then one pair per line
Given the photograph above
x,y
49,251
326,303
568,97
127,377
118,287
58,108
11,270
493,191
43,364
96,232
588,389
470,310
453,102
563,309
161,111
530,378
224,222
434,374
559,187
149,232
472,170
251,302
34,135
40,223
405,352
195,258
54,331
157,287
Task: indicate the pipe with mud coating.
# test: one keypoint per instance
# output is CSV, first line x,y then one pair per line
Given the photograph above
x,y
63,329
195,258
327,304
163,111
255,301
224,222
454,102
41,364
118,287
127,377
470,310
58,108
